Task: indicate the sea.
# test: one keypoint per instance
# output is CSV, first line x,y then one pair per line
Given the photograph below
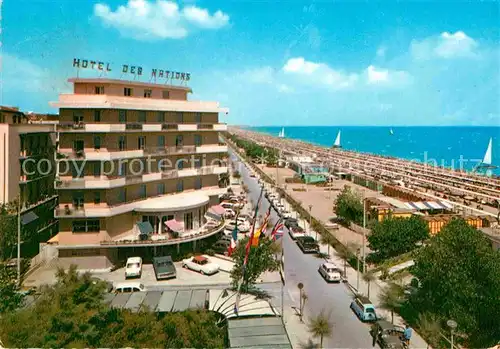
x,y
458,147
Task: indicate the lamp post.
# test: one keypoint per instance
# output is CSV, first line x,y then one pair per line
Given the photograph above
x,y
357,277
310,220
364,234
452,324
301,288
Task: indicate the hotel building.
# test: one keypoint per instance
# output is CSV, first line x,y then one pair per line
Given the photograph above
x,y
139,167
27,171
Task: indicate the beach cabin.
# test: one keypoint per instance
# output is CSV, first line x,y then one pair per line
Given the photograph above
x,y
437,222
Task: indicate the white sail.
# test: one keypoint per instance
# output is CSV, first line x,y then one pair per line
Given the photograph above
x,y
283,132
487,155
391,131
337,140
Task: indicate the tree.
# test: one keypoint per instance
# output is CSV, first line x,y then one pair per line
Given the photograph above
x,y
368,277
395,236
459,276
346,253
320,326
223,180
260,259
430,328
349,206
392,298
10,298
327,239
71,313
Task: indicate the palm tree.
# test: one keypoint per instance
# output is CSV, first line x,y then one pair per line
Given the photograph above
x,y
430,328
368,277
346,253
391,298
309,345
327,239
320,326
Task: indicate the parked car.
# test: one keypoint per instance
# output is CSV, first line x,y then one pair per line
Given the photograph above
x,y
201,264
291,222
129,287
285,214
388,336
296,231
133,267
164,268
221,246
307,244
226,204
364,309
330,272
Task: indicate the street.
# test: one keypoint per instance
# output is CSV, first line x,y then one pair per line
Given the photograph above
x,y
348,331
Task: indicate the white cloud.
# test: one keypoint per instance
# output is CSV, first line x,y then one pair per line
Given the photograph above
x,y
326,75
446,46
381,51
285,88
162,19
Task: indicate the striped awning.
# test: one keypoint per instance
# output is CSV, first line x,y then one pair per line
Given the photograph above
x,y
29,217
217,209
428,205
145,228
213,216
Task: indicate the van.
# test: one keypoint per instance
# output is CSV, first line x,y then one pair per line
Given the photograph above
x,y
364,309
129,287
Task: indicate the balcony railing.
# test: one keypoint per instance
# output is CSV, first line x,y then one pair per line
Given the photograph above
x,y
206,230
71,125
73,211
133,126
205,126
169,127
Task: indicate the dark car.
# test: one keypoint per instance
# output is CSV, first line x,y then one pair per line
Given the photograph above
x,y
164,268
307,244
221,246
291,222
387,335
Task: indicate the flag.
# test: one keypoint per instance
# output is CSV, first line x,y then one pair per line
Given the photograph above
x,y
277,231
231,247
262,229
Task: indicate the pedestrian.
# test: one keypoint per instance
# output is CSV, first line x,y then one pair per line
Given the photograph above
x,y
407,335
375,334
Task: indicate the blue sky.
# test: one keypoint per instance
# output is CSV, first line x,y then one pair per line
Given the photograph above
x,y
273,62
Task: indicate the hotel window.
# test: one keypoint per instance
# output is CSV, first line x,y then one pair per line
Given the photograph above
x,y
197,118
197,183
161,141
160,188
78,145
122,169
142,116
179,140
127,91
197,162
197,140
160,116
141,142
97,115
143,191
180,186
180,164
188,221
97,142
78,199
99,90
147,93
97,169
77,117
90,226
122,195
122,116
97,197
122,143
166,94
180,117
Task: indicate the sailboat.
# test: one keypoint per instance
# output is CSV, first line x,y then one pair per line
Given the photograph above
x,y
282,133
485,165
337,141
391,131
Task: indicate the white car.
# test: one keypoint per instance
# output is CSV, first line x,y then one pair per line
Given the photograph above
x,y
128,287
133,267
295,233
286,214
330,272
201,264
280,206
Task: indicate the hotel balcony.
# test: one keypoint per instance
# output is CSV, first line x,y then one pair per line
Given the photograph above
x,y
107,182
78,127
162,203
103,155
